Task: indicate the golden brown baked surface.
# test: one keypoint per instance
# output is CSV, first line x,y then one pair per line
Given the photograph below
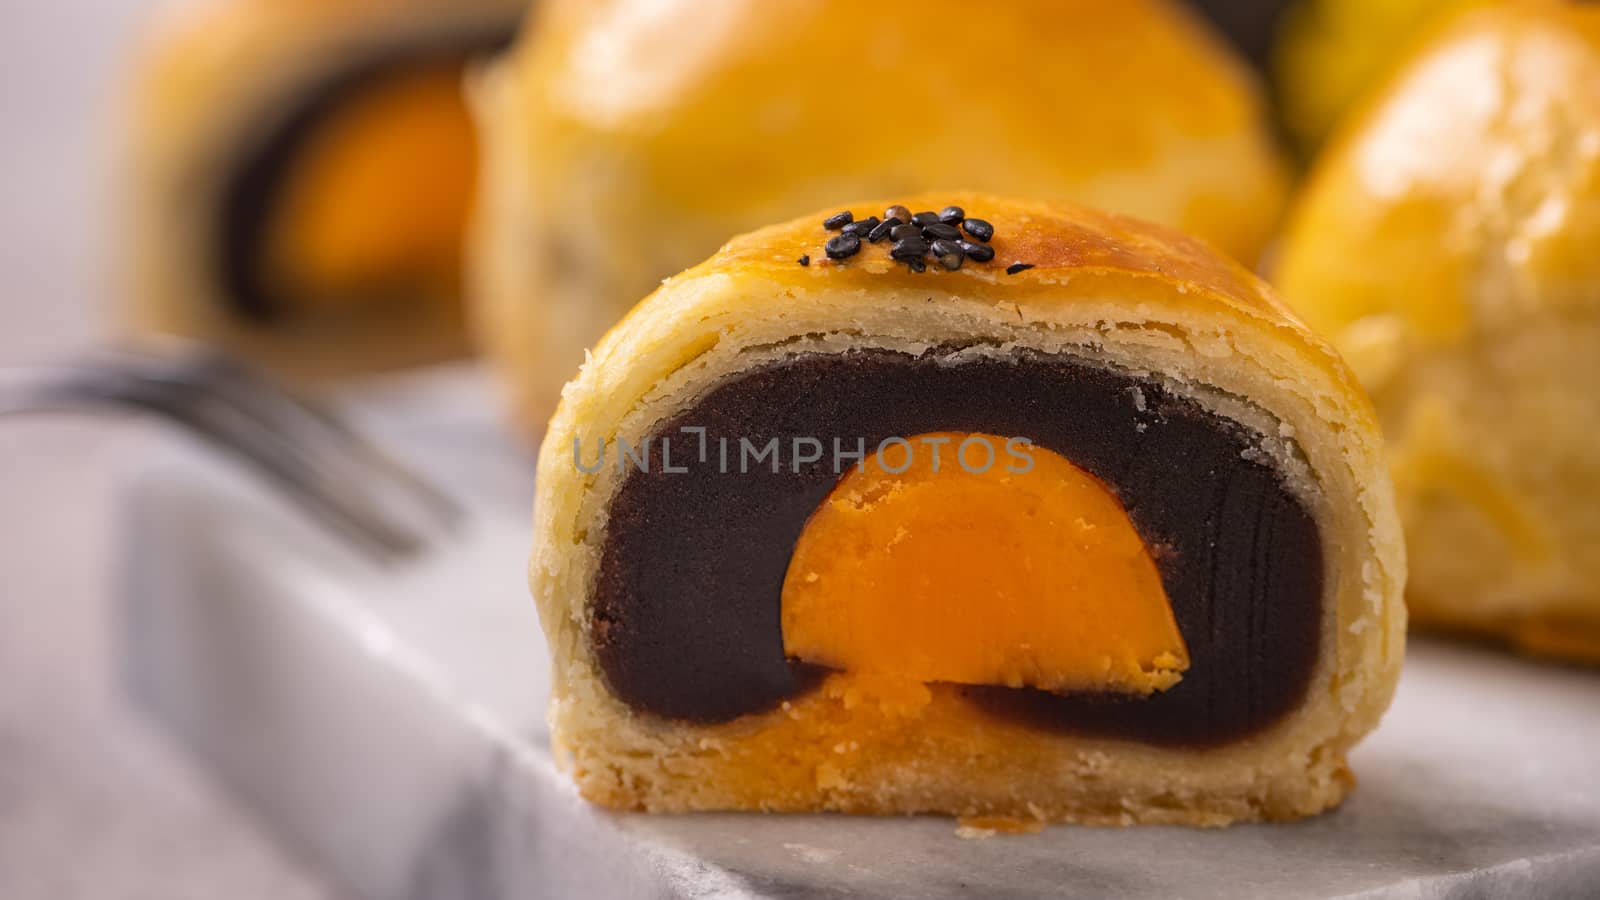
x,y
1446,245
1105,292
629,140
295,112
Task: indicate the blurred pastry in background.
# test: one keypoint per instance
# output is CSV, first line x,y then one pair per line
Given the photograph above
x,y
1449,244
1330,53
1156,578
627,139
299,176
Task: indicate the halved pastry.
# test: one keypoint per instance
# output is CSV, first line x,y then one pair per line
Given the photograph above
x,y
627,140
1064,518
1449,245
300,173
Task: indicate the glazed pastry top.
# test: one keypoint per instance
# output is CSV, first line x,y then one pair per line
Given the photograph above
x,y
1063,242
195,44
1077,254
1468,194
835,97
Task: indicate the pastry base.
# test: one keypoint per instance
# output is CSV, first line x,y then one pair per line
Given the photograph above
x,y
846,747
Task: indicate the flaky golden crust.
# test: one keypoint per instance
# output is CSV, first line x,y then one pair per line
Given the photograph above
x,y
630,140
1105,288
1447,244
211,73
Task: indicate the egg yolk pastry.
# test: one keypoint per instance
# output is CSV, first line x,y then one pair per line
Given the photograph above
x,y
300,173
628,139
1447,244
1063,518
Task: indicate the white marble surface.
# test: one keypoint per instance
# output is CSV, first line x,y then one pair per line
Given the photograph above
x,y
94,803
390,723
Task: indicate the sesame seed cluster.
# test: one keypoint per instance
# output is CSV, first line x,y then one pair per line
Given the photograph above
x,y
948,237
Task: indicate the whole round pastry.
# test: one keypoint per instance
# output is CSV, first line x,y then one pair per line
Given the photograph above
x,y
1155,576
627,140
1447,245
299,174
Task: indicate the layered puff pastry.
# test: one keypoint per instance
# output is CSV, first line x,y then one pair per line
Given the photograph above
x,y
1447,245
627,139
1156,578
298,175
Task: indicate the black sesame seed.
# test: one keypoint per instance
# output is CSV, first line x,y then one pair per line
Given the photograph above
x,y
1014,268
939,231
909,248
897,212
843,246
948,253
924,219
977,252
952,215
979,229
804,260
838,220
861,227
882,229
902,232
916,264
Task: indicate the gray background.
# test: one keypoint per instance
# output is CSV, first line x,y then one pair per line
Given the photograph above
x,y
93,802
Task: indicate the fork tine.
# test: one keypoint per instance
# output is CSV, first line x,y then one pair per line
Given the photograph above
x,y
283,414
321,463
252,391
134,385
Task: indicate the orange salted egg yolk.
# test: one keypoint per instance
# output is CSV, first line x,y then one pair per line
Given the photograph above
x,y
919,569
379,196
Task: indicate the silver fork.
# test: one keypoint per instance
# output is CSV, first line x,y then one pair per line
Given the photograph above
x,y
361,493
